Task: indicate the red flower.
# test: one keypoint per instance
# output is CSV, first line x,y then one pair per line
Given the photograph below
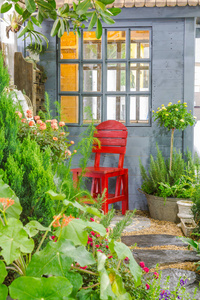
x,y
31,123
91,244
142,264
91,219
99,250
126,259
90,239
92,233
110,256
156,275
97,246
83,268
146,270
107,247
147,286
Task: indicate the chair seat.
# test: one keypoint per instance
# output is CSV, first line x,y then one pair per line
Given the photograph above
x,y
101,171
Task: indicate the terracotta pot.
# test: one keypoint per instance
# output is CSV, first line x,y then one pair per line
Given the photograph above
x,y
163,210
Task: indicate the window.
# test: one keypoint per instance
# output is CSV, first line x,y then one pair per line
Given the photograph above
x,y
111,75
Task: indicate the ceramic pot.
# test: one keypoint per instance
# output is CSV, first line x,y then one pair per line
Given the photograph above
x,y
184,209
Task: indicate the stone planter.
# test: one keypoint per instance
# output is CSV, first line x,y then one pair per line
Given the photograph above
x,y
184,209
164,210
187,225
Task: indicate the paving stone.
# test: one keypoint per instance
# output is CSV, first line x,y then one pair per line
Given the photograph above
x,y
150,240
138,223
153,257
176,274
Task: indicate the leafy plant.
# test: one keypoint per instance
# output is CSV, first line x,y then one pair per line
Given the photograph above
x,y
35,48
174,116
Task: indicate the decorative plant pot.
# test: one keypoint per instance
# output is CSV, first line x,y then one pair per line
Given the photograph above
x,y
184,209
163,210
187,225
34,55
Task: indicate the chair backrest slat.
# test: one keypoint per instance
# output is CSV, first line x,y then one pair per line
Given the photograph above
x,y
112,136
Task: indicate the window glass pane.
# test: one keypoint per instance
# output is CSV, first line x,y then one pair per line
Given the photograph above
x,y
91,46
116,77
69,109
91,77
139,44
69,77
139,77
116,108
116,44
69,46
139,109
91,109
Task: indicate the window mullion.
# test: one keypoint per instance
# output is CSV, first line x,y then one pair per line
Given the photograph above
x,y
81,78
104,76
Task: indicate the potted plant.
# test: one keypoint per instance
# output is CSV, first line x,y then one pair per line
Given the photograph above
x,y
35,50
169,180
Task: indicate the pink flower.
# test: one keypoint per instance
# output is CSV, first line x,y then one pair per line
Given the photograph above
x,y
62,133
31,123
126,259
43,126
68,152
55,138
23,120
110,256
99,250
146,270
54,121
101,244
106,240
29,113
39,122
156,275
107,230
107,247
36,118
90,239
91,244
97,235
147,286
91,219
61,124
92,233
54,126
72,142
19,114
97,246
83,268
142,264
48,121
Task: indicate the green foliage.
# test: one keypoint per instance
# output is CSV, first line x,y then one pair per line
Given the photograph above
x,y
29,173
4,76
118,229
174,116
3,288
196,207
106,219
179,182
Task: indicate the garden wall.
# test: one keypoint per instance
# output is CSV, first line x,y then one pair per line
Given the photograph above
x,y
173,40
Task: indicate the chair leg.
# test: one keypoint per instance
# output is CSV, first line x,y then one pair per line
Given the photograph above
x,y
125,192
75,179
104,185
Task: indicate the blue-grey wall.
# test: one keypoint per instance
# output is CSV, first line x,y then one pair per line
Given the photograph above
x,y
173,38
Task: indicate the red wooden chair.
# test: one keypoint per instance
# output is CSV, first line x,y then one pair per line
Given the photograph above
x,y
112,136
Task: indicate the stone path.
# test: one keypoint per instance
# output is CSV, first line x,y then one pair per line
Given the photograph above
x,y
162,257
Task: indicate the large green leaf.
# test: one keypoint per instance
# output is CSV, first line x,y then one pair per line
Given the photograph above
x,y
56,259
98,31
33,227
30,5
35,21
115,11
107,20
93,20
118,287
55,28
44,4
88,294
100,6
83,7
122,252
3,288
14,240
19,9
15,210
75,231
28,288
76,280
3,291
55,196
5,7
105,286
106,2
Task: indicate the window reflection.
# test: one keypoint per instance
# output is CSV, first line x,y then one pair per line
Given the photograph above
x,y
116,77
69,109
69,77
139,109
116,44
91,77
116,108
139,44
69,46
91,109
139,77
91,46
